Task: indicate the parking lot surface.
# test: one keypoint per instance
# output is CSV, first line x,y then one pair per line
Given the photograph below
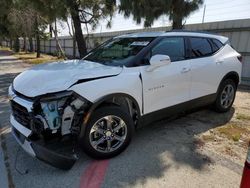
x,y
163,154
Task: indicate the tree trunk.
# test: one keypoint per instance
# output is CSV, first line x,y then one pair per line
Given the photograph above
x,y
177,23
38,50
17,45
74,46
31,44
11,46
74,40
81,43
50,31
24,44
58,45
177,16
55,35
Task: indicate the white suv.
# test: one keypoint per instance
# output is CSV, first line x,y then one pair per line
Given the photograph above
x,y
126,82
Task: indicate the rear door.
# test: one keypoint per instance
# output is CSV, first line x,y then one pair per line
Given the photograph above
x,y
170,84
205,67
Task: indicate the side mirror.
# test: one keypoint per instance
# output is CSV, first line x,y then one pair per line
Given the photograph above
x,y
158,61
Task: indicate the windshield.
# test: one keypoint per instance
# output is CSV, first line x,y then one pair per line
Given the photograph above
x,y
118,51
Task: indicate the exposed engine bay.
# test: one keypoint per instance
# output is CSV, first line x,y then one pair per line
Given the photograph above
x,y
58,115
55,122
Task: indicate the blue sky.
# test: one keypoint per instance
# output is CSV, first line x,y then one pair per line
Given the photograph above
x,y
216,10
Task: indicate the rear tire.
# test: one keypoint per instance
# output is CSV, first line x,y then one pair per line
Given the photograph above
x,y
108,132
225,96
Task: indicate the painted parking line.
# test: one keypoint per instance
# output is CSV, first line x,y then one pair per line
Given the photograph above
x,y
94,174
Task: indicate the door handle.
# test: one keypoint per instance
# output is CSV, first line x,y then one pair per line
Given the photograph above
x,y
219,61
185,70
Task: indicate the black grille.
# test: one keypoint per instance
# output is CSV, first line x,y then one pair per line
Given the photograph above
x,y
20,114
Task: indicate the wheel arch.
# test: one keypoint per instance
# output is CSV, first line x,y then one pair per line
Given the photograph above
x,y
108,99
232,75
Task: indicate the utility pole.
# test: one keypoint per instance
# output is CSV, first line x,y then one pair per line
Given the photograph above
x,y
204,12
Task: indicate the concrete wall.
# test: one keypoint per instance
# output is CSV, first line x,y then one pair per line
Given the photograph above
x,y
238,32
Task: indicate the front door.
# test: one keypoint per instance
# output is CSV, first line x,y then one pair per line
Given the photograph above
x,y
167,85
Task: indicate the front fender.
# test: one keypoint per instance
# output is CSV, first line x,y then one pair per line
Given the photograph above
x,y
128,84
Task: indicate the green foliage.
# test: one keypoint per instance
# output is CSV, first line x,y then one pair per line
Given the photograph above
x,y
92,11
5,6
29,18
148,11
50,10
89,12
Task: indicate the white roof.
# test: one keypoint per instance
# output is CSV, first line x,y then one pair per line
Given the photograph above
x,y
176,33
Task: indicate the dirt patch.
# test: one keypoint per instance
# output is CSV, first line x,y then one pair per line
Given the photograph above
x,y
233,131
243,117
32,59
2,48
231,138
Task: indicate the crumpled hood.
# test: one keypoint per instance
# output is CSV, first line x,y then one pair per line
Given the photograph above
x,y
59,76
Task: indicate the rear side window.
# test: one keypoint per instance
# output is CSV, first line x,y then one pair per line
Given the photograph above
x,y
200,47
171,46
216,44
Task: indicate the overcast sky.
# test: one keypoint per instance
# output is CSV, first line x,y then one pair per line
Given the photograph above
x,y
216,10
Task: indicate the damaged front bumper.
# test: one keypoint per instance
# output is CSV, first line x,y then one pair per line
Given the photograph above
x,y
37,150
39,136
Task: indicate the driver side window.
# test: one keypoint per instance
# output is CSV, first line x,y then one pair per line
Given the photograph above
x,y
172,46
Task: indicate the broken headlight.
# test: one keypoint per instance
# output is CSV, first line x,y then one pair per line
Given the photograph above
x,y
51,112
59,110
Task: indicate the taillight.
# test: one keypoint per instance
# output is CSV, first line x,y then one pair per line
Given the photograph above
x,y
239,58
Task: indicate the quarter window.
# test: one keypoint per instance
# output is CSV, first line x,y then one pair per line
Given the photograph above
x,y
200,47
216,44
171,46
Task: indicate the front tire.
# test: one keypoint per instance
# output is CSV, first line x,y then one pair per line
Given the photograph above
x,y
225,96
108,132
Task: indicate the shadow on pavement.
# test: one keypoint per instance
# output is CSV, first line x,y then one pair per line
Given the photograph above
x,y
9,59
5,81
5,52
164,145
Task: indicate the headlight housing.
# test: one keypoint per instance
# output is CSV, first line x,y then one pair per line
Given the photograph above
x,y
11,93
55,96
57,108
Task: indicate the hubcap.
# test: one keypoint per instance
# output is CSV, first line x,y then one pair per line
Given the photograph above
x,y
227,96
108,134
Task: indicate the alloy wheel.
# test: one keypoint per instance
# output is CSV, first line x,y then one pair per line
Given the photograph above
x,y
108,134
227,96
